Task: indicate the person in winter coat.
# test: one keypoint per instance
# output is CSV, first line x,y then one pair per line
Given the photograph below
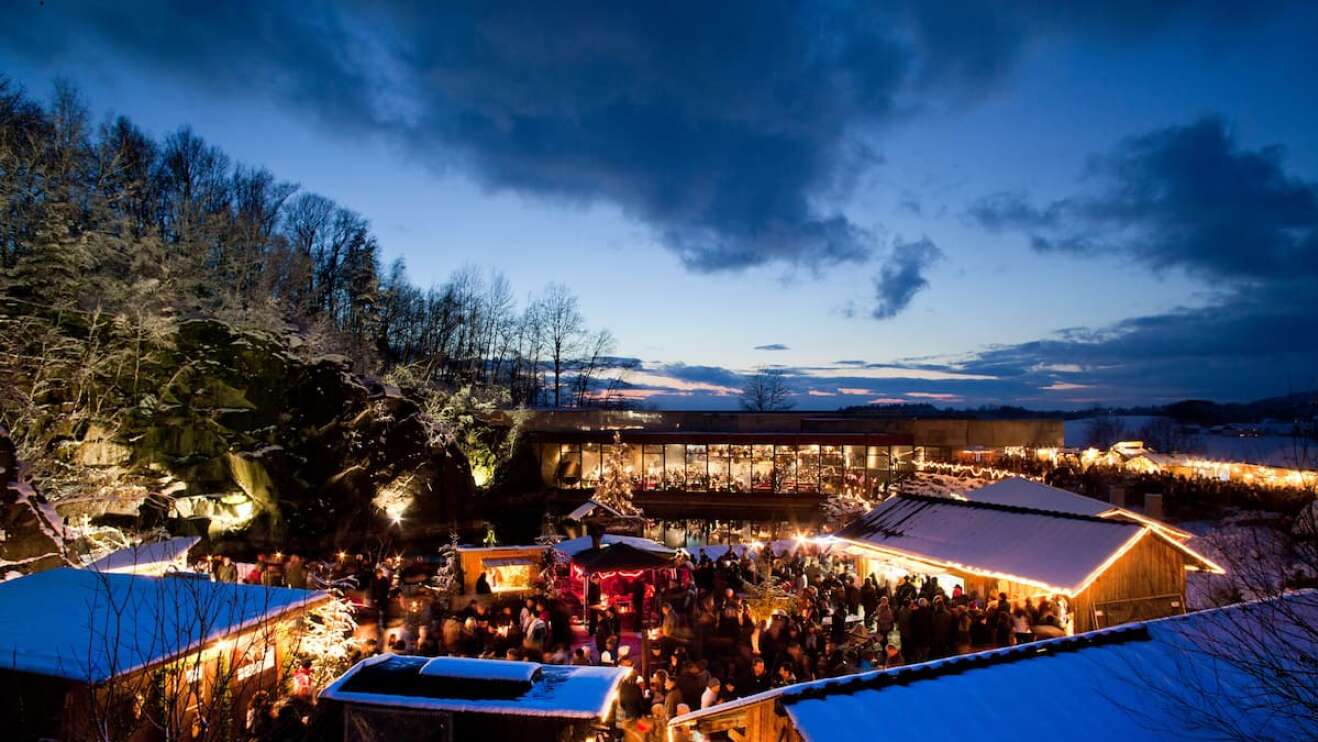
x,y
883,617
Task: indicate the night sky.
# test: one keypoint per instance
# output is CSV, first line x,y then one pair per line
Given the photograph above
x,y
1047,204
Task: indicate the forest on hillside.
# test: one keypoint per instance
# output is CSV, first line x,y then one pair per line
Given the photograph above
x,y
108,237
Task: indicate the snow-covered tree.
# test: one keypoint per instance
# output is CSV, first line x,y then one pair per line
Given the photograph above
x,y
614,490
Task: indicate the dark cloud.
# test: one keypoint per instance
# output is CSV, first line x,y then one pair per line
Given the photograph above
x,y
902,276
849,363
1252,344
1185,197
714,375
772,346
728,128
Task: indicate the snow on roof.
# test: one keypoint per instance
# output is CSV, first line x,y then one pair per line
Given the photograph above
x,y
152,558
1055,551
464,668
1134,682
1026,494
92,626
554,691
1056,686
575,546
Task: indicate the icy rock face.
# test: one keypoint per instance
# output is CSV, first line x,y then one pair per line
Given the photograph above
x,y
30,531
261,446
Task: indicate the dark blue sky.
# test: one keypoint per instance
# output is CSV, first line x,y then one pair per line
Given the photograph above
x,y
1048,204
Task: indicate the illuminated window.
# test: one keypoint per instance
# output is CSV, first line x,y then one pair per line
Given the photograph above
x,y
853,480
697,467
784,469
590,464
807,468
876,469
654,467
830,470
674,466
741,468
569,466
720,474
632,455
762,469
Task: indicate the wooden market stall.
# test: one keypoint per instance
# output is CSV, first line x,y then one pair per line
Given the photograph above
x,y
84,650
1110,570
1068,688
507,569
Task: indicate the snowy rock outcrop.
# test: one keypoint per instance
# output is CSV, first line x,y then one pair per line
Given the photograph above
x,y
232,434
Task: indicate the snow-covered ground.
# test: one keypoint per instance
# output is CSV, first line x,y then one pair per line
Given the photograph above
x,y
1269,450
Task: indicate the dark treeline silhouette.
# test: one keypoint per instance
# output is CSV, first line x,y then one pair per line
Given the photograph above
x,y
104,218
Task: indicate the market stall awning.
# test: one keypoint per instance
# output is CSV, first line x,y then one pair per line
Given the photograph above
x,y
509,562
618,557
575,546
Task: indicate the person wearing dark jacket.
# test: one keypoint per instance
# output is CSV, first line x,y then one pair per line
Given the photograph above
x,y
631,702
922,630
757,680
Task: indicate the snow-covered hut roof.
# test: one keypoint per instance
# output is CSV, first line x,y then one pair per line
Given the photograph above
x,y
1058,552
92,626
575,546
1132,682
147,559
1023,493
1026,494
463,685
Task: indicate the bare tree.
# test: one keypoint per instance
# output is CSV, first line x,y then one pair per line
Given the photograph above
x,y
766,391
1168,436
564,328
1104,429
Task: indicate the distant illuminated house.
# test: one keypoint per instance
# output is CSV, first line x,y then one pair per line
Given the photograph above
x,y
773,470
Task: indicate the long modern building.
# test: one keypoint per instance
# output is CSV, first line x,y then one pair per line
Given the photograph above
x,y
766,468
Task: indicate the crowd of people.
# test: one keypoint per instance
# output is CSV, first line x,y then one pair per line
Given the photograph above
x,y
701,633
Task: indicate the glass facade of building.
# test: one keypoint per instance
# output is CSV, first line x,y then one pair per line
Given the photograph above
x,y
782,469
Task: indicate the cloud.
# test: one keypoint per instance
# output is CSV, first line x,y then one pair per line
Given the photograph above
x,y
1190,198
902,276
772,346
1186,197
732,130
851,362
939,396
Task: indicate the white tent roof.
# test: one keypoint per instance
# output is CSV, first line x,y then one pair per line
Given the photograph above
x,y
575,546
152,558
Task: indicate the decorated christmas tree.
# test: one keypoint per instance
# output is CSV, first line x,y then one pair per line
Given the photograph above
x,y
615,488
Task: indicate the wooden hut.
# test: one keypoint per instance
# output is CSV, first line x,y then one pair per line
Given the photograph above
x,y
83,651
1079,687
507,569
397,698
1111,570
